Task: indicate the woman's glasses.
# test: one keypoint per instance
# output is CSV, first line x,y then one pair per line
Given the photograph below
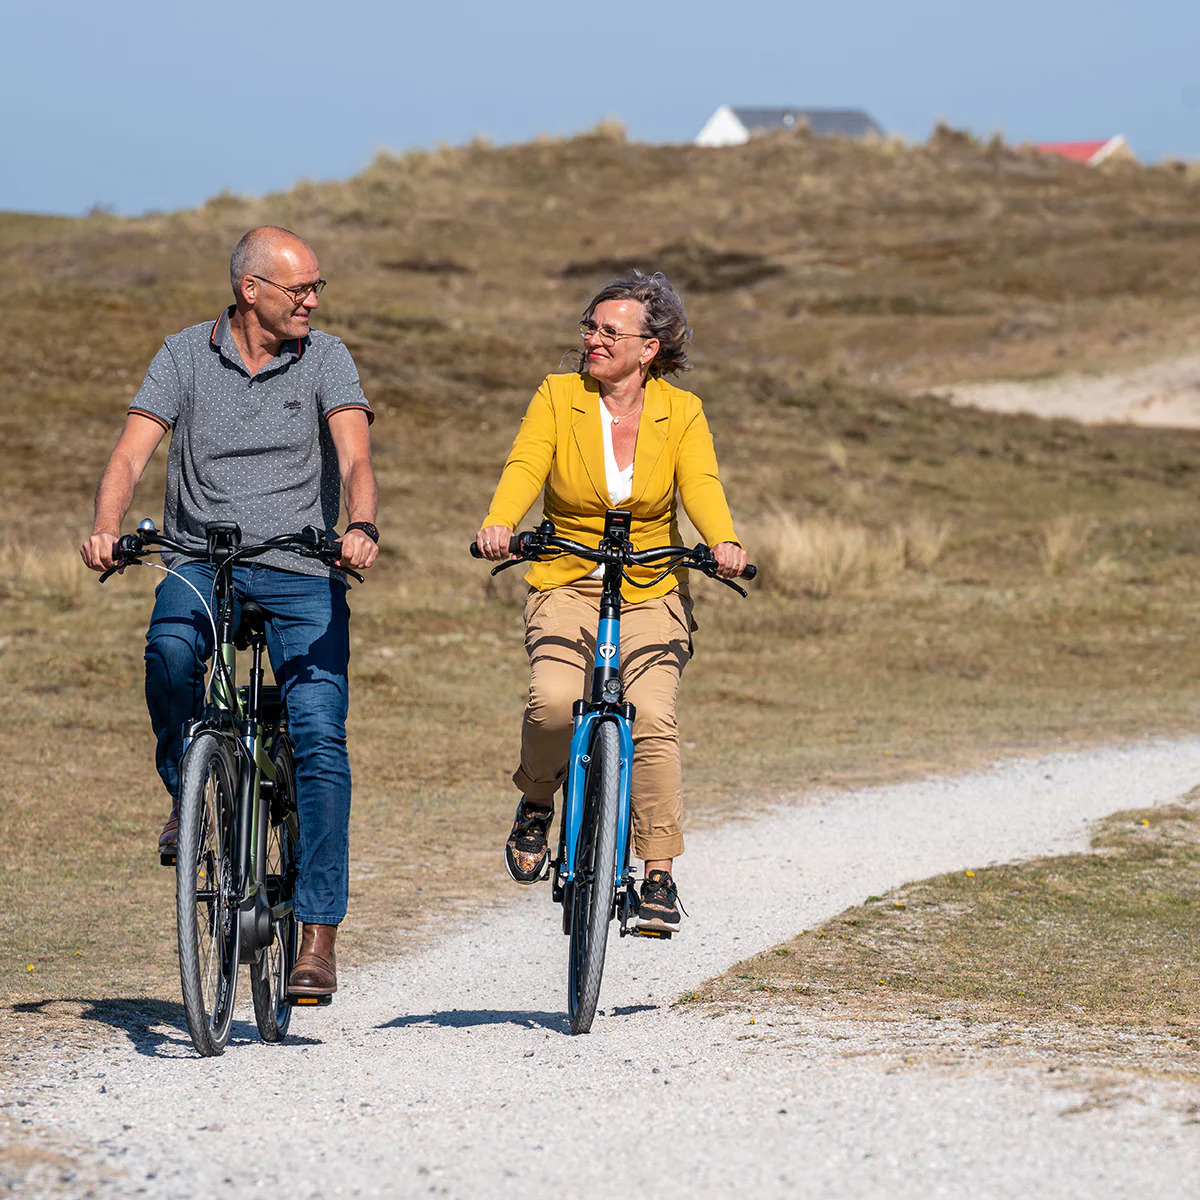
x,y
606,333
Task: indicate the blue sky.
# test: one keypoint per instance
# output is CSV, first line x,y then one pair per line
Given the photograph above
x,y
145,104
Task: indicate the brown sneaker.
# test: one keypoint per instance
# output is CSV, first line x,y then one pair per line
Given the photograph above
x,y
168,840
315,972
659,907
527,851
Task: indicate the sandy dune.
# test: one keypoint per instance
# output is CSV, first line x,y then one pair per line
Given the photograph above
x,y
1165,393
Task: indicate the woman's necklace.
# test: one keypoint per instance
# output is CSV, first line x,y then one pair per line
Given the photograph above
x,y
624,416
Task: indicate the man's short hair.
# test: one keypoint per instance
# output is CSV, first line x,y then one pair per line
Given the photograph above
x,y
252,254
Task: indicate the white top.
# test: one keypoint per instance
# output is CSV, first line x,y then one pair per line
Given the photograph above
x,y
620,483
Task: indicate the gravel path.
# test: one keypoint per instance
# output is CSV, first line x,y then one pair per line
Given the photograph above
x,y
1160,393
449,1071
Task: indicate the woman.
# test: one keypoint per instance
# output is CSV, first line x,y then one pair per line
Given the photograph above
x,y
613,434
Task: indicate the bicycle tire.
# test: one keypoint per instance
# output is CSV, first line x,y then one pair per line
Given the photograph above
x,y
269,974
206,907
594,889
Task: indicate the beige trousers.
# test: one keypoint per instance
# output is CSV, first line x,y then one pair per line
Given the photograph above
x,y
656,643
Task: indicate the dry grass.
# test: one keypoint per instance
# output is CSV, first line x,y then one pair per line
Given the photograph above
x,y
1104,940
924,539
55,576
823,556
818,274
1064,542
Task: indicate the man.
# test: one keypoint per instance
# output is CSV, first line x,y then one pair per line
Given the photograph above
x,y
268,425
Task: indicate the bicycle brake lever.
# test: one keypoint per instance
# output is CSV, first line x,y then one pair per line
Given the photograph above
x,y
512,562
117,568
741,591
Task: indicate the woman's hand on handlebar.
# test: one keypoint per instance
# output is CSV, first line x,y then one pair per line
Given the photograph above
x,y
494,541
97,551
731,559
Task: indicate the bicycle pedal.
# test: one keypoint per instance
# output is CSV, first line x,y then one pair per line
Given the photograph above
x,y
651,933
309,1001
167,860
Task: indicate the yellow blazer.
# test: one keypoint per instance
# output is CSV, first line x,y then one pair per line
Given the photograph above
x,y
560,447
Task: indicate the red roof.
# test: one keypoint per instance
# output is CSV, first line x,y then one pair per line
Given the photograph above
x,y
1075,151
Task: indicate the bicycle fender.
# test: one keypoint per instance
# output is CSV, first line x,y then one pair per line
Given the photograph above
x,y
625,812
576,773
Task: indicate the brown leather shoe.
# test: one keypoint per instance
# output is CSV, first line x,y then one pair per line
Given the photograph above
x,y
315,972
168,840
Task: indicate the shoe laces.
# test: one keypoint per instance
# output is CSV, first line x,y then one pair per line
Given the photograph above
x,y
533,822
660,887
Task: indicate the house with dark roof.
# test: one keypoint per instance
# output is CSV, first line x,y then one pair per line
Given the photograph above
x,y
732,126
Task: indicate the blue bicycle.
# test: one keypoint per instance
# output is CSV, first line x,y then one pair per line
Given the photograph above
x,y
592,876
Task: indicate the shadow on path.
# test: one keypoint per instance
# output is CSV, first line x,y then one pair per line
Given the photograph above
x,y
475,1018
155,1028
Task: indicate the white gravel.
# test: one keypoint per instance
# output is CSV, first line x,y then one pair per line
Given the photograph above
x,y
449,1071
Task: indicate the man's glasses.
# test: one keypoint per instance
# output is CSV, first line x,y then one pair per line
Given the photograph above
x,y
606,333
298,294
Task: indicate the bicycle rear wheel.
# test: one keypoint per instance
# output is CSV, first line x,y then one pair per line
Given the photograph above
x,y
594,888
206,906
269,975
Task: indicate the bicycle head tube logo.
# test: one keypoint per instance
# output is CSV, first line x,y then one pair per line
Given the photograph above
x,y
606,650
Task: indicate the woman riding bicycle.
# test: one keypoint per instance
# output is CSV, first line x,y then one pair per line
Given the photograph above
x,y
612,434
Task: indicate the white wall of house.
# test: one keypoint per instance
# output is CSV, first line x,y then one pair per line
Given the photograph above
x,y
723,129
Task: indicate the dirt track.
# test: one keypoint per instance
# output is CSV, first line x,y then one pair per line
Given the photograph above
x,y
450,1072
1165,393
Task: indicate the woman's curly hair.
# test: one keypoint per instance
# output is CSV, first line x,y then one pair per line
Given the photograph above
x,y
664,318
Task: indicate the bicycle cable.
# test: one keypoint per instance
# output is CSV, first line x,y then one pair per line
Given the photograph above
x,y
218,663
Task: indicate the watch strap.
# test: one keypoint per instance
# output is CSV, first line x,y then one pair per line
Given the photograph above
x,y
367,528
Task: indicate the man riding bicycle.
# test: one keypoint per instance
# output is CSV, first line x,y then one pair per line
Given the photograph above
x,y
268,426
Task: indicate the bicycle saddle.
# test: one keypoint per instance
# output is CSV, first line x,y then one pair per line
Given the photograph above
x,y
252,624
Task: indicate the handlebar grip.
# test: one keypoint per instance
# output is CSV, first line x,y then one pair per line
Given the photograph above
x,y
514,546
749,572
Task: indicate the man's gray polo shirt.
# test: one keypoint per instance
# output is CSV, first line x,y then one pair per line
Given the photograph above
x,y
255,450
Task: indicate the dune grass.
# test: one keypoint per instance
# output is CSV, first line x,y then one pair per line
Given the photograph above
x,y
1089,951
906,545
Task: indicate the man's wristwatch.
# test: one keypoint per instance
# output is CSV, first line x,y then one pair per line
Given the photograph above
x,y
367,528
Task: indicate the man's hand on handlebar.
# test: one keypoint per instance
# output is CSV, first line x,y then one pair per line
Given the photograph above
x,y
731,559
494,541
97,551
358,550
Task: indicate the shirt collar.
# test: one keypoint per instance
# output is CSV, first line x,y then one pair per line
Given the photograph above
x,y
220,338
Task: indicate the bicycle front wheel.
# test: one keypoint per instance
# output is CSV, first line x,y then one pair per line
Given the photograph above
x,y
269,975
206,906
594,888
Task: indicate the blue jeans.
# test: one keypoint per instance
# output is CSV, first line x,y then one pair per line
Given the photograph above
x,y
308,640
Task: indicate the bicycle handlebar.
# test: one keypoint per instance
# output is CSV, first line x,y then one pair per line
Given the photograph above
x,y
534,543
310,542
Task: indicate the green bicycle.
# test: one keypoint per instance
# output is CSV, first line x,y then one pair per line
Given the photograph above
x,y
237,855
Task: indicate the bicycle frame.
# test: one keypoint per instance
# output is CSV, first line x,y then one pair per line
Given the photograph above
x,y
606,703
236,714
